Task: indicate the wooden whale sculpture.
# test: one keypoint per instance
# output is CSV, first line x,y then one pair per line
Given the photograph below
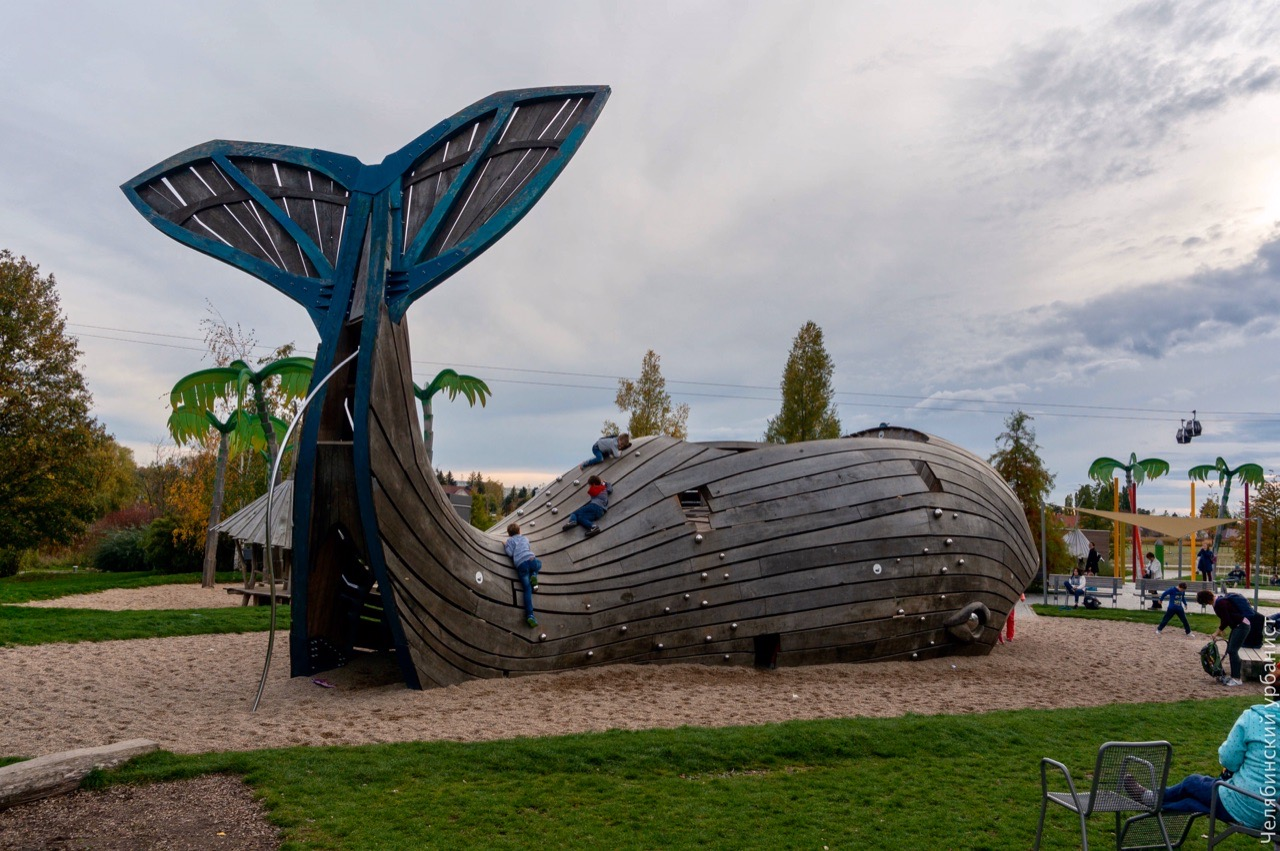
x,y
882,545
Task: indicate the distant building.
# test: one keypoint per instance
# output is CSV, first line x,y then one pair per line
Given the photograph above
x,y
460,499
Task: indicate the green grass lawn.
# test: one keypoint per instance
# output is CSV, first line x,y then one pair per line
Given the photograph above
x,y
49,585
960,781
25,626
1199,623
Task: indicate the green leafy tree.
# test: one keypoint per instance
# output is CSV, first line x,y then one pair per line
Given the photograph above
x,y
1098,497
1251,473
649,404
117,478
1209,508
190,426
47,491
808,412
1018,462
447,381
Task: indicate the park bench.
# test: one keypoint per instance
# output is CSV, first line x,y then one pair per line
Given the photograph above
x,y
1099,586
260,596
1151,589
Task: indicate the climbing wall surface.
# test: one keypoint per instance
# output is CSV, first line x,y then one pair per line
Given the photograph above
x,y
855,549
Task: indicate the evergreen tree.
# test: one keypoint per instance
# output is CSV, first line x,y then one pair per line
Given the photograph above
x,y
808,412
47,490
649,403
1017,460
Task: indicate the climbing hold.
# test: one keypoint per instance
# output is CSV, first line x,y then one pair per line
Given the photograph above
x,y
624,629
704,575
555,510
708,638
697,538
542,637
733,626
937,512
722,555
519,512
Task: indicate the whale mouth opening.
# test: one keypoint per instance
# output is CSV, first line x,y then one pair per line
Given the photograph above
x,y
767,647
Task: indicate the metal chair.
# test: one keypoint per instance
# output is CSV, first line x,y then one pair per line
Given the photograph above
x,y
1144,762
1231,828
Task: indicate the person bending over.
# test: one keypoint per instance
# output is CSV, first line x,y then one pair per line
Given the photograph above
x,y
1234,613
1248,755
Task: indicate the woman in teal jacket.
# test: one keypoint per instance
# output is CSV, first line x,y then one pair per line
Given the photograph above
x,y
1251,752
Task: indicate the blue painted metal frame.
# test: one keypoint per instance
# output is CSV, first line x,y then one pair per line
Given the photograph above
x,y
395,279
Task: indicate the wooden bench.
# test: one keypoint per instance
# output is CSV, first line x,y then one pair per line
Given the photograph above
x,y
1098,586
1151,589
260,596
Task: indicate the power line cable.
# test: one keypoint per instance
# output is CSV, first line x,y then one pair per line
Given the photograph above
x,y
919,403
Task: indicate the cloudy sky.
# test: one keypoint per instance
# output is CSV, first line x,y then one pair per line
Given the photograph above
x,y
1070,209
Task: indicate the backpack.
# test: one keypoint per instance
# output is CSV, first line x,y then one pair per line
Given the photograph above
x,y
1092,602
1211,660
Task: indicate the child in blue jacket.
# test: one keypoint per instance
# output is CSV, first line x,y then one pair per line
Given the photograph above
x,y
527,567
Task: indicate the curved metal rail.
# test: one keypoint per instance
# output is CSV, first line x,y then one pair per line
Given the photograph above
x,y
271,487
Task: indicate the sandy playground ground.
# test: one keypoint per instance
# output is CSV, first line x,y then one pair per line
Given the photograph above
x,y
194,694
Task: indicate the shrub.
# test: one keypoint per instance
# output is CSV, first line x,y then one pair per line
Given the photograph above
x,y
121,551
168,553
10,559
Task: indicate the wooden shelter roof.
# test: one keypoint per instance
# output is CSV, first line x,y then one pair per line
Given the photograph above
x,y
248,525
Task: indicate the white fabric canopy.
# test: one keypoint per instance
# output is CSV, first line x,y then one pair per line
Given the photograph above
x,y
1174,527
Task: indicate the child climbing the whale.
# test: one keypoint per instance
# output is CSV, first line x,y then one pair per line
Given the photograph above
x,y
607,447
599,492
527,567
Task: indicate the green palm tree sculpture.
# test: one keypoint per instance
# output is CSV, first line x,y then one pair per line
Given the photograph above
x,y
1135,472
202,390
1252,474
452,383
187,425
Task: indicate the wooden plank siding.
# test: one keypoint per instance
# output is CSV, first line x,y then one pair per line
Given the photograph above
x,y
796,536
